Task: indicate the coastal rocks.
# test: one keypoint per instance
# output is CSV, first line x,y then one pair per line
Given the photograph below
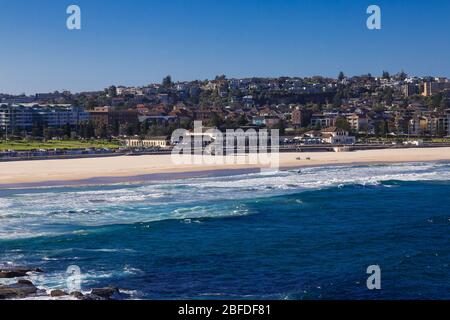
x,y
57,293
11,274
25,282
77,294
16,272
92,297
21,289
24,288
105,293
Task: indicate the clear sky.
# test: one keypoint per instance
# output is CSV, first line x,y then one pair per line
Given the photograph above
x,y
137,42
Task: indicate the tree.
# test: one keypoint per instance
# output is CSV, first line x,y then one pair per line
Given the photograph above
x,y
167,82
144,128
37,130
388,95
129,129
91,104
215,121
221,77
444,103
337,99
378,108
435,101
381,128
186,124
102,131
87,130
342,123
116,128
67,130
281,126
112,91
48,133
402,75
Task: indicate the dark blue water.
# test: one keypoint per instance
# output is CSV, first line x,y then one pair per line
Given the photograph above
x,y
310,244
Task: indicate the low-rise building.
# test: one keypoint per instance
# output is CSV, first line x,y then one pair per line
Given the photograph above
x,y
330,135
333,135
109,115
268,121
159,120
149,142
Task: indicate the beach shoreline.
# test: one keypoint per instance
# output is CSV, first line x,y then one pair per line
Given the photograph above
x,y
95,171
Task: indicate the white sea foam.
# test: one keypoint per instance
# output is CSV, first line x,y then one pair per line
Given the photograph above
x,y
4,203
35,213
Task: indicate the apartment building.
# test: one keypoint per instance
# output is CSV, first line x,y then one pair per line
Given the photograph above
x,y
430,88
448,122
322,120
300,117
25,116
109,115
357,122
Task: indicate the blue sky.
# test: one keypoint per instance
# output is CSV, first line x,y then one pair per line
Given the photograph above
x,y
137,42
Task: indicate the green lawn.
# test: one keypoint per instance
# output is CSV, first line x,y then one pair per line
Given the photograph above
x,y
440,140
24,145
393,139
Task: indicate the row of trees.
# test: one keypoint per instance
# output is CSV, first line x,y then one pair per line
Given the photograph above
x,y
90,130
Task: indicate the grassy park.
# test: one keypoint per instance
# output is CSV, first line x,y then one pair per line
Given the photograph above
x,y
28,145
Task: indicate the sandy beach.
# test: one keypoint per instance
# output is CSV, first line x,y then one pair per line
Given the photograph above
x,y
41,171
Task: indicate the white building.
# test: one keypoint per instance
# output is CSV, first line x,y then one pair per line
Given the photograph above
x,y
333,135
151,142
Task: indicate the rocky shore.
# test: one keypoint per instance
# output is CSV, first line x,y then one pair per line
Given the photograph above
x,y
25,289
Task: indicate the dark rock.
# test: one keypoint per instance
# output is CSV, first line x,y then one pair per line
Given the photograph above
x,y
16,272
19,290
41,293
6,292
12,274
25,282
91,297
77,294
57,293
106,293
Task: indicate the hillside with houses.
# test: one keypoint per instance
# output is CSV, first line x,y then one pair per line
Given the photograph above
x,y
396,106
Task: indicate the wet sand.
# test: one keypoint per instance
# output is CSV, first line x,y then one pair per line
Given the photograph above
x,y
158,167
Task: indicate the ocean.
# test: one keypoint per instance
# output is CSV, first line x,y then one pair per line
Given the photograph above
x,y
308,234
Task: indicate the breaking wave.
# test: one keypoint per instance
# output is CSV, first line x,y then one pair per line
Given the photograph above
x,y
26,213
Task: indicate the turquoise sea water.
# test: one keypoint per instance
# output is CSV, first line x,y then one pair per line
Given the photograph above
x,y
287,235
